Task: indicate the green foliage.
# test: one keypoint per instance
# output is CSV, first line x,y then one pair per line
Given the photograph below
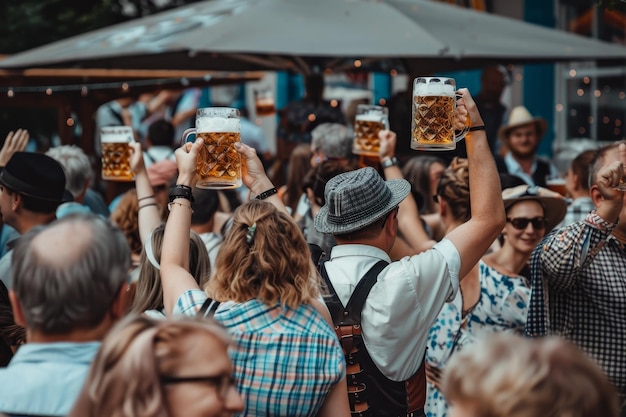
x,y
619,5
25,24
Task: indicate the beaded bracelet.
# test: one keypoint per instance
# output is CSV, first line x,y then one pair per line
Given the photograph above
x,y
172,203
266,194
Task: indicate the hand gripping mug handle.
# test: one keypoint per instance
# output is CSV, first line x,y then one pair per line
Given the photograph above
x,y
186,134
460,134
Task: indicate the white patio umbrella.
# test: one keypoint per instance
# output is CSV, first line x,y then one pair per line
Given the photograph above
x,y
406,35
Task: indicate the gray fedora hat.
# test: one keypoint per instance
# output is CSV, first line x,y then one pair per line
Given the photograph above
x,y
356,199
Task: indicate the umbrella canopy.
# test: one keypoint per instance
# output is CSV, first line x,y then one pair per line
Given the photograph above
x,y
300,35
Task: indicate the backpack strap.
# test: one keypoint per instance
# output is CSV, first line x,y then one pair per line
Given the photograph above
x,y
209,307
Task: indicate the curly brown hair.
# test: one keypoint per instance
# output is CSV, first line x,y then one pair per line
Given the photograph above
x,y
454,189
264,256
126,217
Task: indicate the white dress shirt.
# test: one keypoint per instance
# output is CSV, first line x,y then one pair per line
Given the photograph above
x,y
402,305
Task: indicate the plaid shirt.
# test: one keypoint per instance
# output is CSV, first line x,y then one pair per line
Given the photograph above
x,y
579,293
577,211
285,361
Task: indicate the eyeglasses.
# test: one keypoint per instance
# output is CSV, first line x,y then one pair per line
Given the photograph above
x,y
520,223
223,383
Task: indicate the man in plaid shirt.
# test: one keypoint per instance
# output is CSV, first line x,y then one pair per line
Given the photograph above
x,y
579,275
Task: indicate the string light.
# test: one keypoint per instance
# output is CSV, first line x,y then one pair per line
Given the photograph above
x,y
84,89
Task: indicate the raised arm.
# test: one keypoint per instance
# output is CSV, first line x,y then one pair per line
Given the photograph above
x,y
175,276
564,253
409,222
255,178
14,142
473,238
149,216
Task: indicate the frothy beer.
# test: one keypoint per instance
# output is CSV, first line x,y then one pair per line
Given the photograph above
x,y
219,164
433,116
265,106
366,128
115,142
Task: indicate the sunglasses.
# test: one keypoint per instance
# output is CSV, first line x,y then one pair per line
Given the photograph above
x,y
520,223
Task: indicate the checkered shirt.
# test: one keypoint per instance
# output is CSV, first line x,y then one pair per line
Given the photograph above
x,y
285,360
579,293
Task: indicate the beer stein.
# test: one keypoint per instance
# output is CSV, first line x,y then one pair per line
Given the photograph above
x,y
264,102
116,153
219,163
434,104
369,120
557,184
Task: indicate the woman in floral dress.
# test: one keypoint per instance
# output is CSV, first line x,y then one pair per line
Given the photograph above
x,y
494,295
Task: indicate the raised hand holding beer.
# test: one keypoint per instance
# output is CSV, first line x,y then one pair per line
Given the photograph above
x,y
433,123
369,120
218,163
115,142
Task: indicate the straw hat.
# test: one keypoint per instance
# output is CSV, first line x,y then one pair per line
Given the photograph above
x,y
356,199
520,116
554,205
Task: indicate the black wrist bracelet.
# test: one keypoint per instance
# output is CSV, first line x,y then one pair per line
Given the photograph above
x,y
266,194
181,191
185,196
475,128
184,187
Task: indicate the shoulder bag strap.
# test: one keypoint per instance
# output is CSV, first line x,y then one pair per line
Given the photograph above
x,y
209,307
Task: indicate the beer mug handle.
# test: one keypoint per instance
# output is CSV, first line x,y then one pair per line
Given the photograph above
x,y
385,122
186,134
460,134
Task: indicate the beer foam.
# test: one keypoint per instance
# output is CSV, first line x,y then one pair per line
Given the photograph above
x,y
217,124
434,89
116,134
372,117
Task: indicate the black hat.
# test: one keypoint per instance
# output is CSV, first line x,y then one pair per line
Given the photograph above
x,y
34,175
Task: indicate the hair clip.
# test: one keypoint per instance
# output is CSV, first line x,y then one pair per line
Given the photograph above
x,y
250,234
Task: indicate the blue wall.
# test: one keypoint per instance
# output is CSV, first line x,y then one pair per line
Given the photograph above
x,y
538,83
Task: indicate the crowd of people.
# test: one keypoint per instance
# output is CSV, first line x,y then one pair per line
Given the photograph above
x,y
415,286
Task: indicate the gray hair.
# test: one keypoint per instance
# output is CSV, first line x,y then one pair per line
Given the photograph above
x,y
74,286
333,139
76,167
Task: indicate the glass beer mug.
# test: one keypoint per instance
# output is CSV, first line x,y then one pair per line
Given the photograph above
x,y
434,104
264,102
219,163
369,120
115,145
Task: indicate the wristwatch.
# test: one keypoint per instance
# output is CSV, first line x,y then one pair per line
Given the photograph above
x,y
389,162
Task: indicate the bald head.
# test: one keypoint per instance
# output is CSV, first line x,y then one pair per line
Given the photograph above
x,y
62,244
67,275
